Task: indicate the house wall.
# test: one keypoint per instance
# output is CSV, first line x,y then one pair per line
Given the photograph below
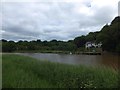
x,y
88,45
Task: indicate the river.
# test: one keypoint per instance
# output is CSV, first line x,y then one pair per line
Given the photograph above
x,y
108,60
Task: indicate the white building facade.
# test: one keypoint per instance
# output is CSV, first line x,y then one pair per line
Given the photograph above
x,y
90,44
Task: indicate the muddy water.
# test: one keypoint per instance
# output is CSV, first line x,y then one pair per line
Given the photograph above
x,y
108,60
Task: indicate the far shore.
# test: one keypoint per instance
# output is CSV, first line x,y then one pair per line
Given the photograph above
x,y
65,52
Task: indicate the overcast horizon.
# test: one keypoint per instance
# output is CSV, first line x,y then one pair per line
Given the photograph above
x,y
48,20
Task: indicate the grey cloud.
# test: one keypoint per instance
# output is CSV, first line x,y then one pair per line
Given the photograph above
x,y
20,30
16,36
104,15
50,20
119,8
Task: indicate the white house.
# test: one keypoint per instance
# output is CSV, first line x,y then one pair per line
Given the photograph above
x,y
99,44
90,44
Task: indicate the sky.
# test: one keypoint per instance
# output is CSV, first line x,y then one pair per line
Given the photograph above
x,y
54,19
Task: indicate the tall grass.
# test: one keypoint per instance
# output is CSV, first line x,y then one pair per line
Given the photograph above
x,y
0,70
25,72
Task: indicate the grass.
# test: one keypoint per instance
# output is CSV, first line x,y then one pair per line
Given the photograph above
x,y
25,72
43,51
0,70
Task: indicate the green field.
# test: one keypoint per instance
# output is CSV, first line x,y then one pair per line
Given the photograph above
x,y
25,72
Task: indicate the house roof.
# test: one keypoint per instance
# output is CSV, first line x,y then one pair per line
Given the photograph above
x,y
88,42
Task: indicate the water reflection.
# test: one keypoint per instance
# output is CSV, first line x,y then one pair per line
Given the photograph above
x,y
89,60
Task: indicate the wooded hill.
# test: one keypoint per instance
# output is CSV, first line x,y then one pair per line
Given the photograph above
x,y
109,35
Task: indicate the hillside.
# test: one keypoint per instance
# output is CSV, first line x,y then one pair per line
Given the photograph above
x,y
109,35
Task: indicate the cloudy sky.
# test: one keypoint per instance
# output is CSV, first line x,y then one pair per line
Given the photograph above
x,y
54,19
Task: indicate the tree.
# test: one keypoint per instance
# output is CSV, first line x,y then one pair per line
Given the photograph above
x,y
92,36
8,46
80,41
110,35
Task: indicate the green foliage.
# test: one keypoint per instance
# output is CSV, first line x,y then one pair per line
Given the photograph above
x,y
80,41
8,46
92,36
26,72
110,35
38,45
118,48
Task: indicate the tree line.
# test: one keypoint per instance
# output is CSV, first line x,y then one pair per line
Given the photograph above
x,y
9,46
109,36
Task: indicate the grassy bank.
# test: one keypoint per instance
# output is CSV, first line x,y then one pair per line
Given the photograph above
x,y
26,72
42,51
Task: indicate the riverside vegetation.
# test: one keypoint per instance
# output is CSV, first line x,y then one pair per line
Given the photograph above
x,y
25,72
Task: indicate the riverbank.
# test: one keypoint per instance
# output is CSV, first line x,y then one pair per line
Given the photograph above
x,y
68,52
45,51
25,72
61,52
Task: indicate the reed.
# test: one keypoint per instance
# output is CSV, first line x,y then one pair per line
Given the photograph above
x,y
25,72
